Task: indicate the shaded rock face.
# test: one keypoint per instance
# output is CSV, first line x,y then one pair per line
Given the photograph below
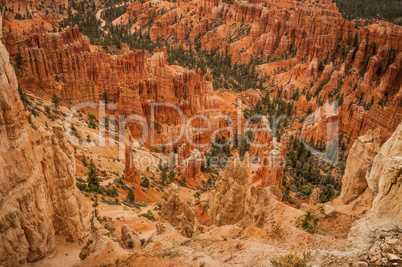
x,y
189,162
178,214
360,157
38,197
384,178
356,122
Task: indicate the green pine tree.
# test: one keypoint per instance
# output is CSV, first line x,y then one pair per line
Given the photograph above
x,y
107,123
105,97
130,195
84,161
18,60
23,96
163,176
92,179
56,100
172,176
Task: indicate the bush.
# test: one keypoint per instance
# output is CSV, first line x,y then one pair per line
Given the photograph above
x,y
149,215
291,260
306,222
112,191
81,186
56,100
145,182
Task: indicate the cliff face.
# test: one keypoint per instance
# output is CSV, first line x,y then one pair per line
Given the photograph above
x,y
360,157
131,80
384,178
38,197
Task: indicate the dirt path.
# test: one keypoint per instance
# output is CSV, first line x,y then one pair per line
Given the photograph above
x,y
99,12
66,254
98,16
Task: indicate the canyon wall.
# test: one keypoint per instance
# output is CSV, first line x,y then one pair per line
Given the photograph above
x,y
360,158
384,178
38,196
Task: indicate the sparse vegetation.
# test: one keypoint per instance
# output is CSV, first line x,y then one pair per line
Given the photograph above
x,y
56,101
23,97
291,260
309,222
149,215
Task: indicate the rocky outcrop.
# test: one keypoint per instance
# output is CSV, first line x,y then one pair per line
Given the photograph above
x,y
95,244
129,237
359,160
384,178
260,205
189,165
351,121
227,201
177,213
235,202
384,252
131,172
206,6
38,197
324,45
376,239
251,96
271,155
355,121
315,197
